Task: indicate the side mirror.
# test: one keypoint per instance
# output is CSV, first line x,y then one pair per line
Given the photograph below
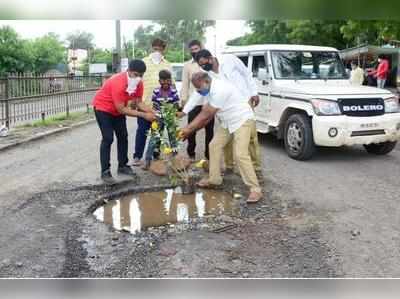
x,y
263,76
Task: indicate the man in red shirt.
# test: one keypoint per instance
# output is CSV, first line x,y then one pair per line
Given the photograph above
x,y
381,72
112,103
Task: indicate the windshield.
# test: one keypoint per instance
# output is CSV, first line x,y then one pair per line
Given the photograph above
x,y
177,72
306,65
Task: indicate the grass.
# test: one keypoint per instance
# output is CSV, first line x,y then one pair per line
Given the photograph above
x,y
59,119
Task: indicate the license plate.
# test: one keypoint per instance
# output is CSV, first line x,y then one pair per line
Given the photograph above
x,y
369,125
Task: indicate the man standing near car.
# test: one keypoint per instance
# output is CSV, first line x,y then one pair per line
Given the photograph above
x,y
229,67
381,71
191,67
155,63
112,103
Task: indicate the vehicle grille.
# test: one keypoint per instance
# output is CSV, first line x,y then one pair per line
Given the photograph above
x,y
362,107
367,133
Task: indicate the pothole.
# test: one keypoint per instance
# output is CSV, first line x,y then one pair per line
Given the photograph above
x,y
137,212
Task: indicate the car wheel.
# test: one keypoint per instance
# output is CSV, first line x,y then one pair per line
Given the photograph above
x,y
382,148
299,141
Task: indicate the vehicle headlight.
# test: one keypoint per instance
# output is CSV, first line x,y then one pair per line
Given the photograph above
x,y
324,107
392,105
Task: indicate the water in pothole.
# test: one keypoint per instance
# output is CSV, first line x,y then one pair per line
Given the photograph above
x,y
136,212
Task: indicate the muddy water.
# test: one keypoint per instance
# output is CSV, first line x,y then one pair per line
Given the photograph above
x,y
137,212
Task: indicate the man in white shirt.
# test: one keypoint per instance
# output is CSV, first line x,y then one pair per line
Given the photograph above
x,y
236,124
189,68
356,74
229,67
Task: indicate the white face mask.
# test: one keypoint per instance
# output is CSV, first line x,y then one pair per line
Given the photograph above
x,y
156,57
132,84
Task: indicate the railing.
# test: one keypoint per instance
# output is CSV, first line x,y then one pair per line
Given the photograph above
x,y
25,98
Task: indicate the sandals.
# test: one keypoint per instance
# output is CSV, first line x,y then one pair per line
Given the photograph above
x,y
205,183
254,197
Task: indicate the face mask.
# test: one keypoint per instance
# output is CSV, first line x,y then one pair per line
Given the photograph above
x,y
204,91
207,67
132,84
156,57
193,55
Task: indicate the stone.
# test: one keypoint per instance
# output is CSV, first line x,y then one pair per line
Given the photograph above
x,y
355,233
37,268
5,262
158,167
167,251
19,264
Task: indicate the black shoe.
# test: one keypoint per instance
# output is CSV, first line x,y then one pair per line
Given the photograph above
x,y
107,178
126,170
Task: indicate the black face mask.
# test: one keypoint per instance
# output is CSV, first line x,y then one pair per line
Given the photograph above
x,y
193,55
207,67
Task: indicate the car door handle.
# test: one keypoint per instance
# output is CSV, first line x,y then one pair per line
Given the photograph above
x,y
264,82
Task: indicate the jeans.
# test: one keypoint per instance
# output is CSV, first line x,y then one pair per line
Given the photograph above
x,y
109,124
143,127
192,138
381,83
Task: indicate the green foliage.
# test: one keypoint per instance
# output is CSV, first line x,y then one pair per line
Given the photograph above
x,y
335,33
47,52
177,34
14,52
38,55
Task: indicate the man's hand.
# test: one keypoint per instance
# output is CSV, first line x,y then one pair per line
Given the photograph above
x,y
184,133
254,101
149,116
180,114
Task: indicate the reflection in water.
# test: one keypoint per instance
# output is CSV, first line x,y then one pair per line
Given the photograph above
x,y
140,211
116,214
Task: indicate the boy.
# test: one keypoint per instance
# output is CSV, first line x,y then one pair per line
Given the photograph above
x,y
164,94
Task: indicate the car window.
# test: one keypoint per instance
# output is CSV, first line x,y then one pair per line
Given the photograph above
x,y
307,65
244,59
258,63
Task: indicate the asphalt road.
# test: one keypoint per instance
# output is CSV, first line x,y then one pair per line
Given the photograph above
x,y
349,196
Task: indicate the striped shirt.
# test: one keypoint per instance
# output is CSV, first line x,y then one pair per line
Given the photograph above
x,y
158,99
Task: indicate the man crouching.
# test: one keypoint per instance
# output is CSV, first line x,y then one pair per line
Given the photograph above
x,y
236,119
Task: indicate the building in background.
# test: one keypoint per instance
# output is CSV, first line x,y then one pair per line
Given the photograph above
x,y
76,59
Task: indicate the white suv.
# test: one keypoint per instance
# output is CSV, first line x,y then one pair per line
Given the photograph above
x,y
307,99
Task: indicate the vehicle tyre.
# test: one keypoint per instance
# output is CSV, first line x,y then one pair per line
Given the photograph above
x,y
382,148
299,140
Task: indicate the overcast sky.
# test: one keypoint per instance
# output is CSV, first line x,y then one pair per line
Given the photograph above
x,y
104,30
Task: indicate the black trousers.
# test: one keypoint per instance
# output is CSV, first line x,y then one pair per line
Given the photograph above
x,y
191,148
109,124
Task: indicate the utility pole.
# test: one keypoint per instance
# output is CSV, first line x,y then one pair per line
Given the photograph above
x,y
118,45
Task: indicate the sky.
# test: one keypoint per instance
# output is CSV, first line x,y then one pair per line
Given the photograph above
x,y
104,30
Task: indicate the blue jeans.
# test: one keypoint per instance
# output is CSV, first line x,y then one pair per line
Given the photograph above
x,y
141,136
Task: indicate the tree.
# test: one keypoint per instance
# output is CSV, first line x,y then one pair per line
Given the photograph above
x,y
80,40
14,54
338,33
177,34
47,52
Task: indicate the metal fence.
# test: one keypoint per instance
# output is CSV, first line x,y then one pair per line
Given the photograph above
x,y
25,97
